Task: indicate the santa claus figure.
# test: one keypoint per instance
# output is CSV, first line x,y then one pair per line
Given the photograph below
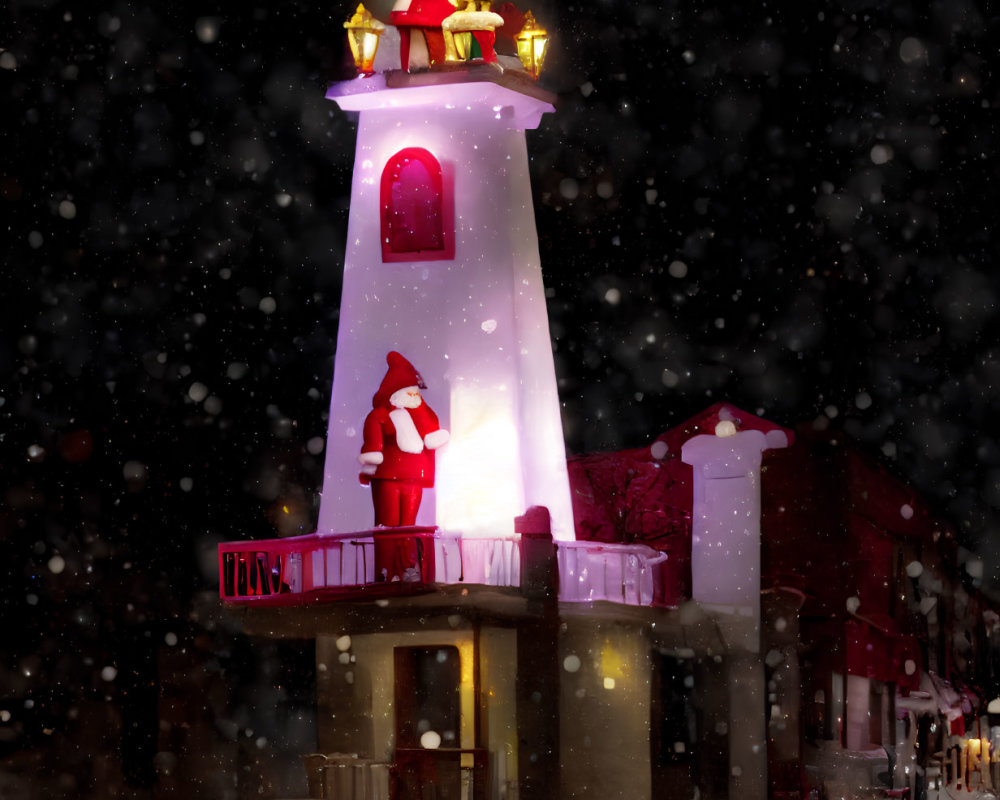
x,y
400,437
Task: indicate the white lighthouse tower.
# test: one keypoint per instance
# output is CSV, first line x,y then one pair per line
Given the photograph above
x,y
442,265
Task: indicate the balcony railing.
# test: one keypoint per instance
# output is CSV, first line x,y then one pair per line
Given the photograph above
x,y
620,573
343,776
306,569
445,774
414,774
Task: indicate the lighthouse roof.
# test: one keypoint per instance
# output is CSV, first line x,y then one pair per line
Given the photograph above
x,y
506,93
422,13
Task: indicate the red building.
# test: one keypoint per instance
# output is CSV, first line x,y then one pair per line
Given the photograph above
x,y
587,664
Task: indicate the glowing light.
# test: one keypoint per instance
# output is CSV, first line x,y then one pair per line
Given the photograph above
x,y
430,740
532,44
466,654
478,471
725,428
612,665
363,32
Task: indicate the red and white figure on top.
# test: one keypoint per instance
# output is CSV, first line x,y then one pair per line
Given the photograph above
x,y
400,436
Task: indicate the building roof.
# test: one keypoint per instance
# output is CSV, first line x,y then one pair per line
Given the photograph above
x,y
644,494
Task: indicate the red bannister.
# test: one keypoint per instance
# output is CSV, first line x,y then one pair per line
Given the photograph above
x,y
254,573
389,561
289,571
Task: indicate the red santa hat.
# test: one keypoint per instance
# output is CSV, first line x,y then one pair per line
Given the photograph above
x,y
400,375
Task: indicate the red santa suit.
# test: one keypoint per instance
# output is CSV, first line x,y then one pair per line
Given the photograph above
x,y
400,436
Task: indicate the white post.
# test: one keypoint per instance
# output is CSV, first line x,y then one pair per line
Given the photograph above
x,y
725,525
725,577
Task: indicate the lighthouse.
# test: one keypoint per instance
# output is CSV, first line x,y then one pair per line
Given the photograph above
x,y
442,266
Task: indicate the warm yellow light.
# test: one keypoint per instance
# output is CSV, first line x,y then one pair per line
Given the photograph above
x,y
612,665
363,32
532,44
467,654
475,495
463,46
467,688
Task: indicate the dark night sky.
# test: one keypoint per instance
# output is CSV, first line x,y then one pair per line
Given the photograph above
x,y
786,207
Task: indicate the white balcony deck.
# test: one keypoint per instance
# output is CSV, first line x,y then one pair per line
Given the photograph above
x,y
319,567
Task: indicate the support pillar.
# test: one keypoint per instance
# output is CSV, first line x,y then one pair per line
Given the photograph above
x,y
725,579
538,692
747,727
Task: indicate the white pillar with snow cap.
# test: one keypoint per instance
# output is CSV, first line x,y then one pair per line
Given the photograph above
x,y
725,577
457,290
725,526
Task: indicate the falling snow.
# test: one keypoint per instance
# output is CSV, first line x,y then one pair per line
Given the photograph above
x,y
176,218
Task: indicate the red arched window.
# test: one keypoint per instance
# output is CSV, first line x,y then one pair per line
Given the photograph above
x,y
417,208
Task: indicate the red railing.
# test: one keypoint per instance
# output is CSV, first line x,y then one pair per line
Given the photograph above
x,y
307,568
289,571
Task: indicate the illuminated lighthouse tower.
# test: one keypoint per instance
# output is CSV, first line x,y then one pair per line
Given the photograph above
x,y
442,266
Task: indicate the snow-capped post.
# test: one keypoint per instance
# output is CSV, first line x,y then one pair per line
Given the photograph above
x,y
725,577
539,568
725,525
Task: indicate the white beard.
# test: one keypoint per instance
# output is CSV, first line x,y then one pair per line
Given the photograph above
x,y
407,437
403,399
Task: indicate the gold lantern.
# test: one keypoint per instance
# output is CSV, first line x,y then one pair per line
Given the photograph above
x,y
532,42
363,31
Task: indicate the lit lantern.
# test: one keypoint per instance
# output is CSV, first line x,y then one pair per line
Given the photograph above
x,y
974,763
469,32
532,43
979,762
363,32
